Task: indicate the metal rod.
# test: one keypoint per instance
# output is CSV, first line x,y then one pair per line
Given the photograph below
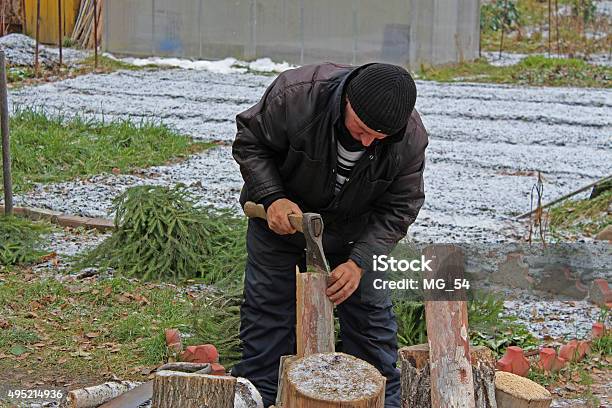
x,y
37,34
302,32
4,127
200,28
355,33
568,195
95,3
59,18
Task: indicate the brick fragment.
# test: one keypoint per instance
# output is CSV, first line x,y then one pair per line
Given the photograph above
x,y
514,361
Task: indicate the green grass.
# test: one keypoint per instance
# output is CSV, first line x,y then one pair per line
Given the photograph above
x,y
531,34
48,149
586,216
534,70
21,240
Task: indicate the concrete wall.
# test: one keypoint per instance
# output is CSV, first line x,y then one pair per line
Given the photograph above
x,y
407,32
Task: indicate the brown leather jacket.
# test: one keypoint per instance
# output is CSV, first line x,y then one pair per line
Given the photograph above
x,y
287,143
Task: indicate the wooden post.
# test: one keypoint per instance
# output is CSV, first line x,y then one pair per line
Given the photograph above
x,y
452,385
59,18
173,389
95,4
4,130
24,24
314,313
331,380
37,37
416,380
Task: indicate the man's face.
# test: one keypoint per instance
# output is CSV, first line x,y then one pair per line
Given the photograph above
x,y
358,129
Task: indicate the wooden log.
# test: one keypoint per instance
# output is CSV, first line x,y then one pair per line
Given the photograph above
x,y
173,389
452,386
514,391
283,366
246,395
314,314
416,381
93,396
330,380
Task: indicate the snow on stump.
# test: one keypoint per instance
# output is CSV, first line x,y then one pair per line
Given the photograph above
x,y
514,391
173,389
416,380
327,380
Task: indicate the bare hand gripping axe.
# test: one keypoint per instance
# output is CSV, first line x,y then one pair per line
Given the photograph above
x,y
311,225
314,311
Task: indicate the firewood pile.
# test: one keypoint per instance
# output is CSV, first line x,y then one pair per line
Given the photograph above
x,y
83,33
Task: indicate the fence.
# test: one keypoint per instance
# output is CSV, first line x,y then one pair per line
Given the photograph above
x,y
408,32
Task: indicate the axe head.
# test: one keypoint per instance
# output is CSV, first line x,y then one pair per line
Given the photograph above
x,y
313,233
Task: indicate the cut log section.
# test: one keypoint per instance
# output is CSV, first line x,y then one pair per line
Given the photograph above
x,y
314,314
452,385
173,389
98,394
514,391
416,380
329,380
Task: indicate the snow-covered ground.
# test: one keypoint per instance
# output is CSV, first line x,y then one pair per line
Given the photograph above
x,y
486,143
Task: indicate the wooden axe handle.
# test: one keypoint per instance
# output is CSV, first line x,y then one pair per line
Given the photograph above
x,y
253,210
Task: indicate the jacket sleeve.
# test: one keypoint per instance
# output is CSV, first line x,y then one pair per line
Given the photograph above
x,y
262,137
393,212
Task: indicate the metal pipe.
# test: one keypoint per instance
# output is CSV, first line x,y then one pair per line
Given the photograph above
x,y
59,18
4,128
95,3
37,36
302,32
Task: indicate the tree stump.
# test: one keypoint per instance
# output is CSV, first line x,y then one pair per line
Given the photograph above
x,y
514,391
314,314
329,380
416,380
172,389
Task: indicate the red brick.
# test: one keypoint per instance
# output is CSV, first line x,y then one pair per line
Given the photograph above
x,y
217,369
514,361
559,364
570,352
600,293
599,329
189,354
584,348
206,353
547,358
173,340
203,353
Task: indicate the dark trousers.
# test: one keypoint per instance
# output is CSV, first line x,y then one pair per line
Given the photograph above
x,y
367,324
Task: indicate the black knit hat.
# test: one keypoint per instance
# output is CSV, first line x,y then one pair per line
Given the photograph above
x,y
383,96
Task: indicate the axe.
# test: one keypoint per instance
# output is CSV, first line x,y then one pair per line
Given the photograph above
x,y
311,225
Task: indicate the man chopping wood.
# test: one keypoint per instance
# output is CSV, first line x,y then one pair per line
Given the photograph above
x,y
344,142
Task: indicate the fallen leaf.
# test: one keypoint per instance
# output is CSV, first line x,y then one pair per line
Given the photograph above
x,y
92,335
18,350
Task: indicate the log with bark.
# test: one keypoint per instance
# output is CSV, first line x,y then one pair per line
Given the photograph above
x,y
329,380
446,316
173,389
96,395
416,380
314,313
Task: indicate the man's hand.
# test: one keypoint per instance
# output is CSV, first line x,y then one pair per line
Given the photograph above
x,y
277,215
343,281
